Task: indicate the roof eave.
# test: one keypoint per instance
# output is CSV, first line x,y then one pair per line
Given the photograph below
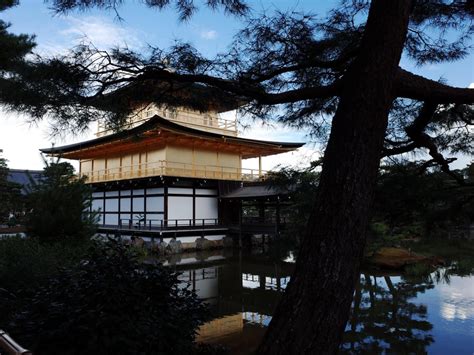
x,y
160,122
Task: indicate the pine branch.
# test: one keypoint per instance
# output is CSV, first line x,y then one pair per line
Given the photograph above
x,y
243,89
399,149
420,139
416,87
416,132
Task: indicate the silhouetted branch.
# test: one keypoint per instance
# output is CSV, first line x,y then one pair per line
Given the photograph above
x,y
416,87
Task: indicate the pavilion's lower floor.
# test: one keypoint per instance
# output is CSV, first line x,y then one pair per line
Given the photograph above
x,y
156,203
176,206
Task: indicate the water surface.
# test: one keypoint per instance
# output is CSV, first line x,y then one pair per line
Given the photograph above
x,y
391,313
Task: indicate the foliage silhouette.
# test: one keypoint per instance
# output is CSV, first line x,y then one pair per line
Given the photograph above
x,y
60,204
111,302
10,195
26,264
338,78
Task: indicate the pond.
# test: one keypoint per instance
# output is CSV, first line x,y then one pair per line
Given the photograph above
x,y
395,313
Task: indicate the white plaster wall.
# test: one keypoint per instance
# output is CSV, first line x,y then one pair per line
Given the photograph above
x,y
206,207
138,204
155,204
180,207
180,190
125,204
111,205
155,190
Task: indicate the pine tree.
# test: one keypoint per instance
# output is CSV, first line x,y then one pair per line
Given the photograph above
x,y
345,67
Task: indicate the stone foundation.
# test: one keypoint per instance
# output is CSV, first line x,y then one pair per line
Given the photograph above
x,y
202,243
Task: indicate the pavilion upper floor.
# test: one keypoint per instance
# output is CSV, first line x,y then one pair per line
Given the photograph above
x,y
209,121
161,147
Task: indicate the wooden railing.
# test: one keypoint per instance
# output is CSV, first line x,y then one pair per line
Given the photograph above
x,y
168,168
209,123
201,121
160,224
10,346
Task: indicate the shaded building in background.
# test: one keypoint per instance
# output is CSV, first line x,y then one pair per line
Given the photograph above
x,y
24,178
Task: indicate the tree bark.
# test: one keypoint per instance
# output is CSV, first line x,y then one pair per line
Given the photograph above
x,y
313,312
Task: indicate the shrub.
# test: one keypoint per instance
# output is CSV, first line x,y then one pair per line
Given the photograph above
x,y
25,264
110,303
59,205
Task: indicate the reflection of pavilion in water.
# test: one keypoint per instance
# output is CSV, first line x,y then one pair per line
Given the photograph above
x,y
242,292
390,313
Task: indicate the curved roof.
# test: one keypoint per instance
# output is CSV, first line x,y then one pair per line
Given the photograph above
x,y
159,130
24,178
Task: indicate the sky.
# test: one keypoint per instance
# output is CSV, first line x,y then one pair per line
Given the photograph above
x,y
210,32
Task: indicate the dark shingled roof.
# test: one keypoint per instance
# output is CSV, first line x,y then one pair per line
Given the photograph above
x,y
22,177
255,191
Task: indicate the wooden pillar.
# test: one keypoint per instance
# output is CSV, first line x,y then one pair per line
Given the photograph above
x,y
278,219
240,223
261,211
194,205
260,166
165,203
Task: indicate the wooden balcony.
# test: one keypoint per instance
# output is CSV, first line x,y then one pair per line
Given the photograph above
x,y
169,168
213,124
171,228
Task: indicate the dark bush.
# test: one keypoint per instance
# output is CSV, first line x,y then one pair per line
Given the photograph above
x,y
110,303
26,263
59,206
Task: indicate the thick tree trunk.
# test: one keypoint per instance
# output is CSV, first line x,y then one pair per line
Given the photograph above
x,y
312,315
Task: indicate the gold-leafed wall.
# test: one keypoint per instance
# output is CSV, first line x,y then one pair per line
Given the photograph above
x,y
168,161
